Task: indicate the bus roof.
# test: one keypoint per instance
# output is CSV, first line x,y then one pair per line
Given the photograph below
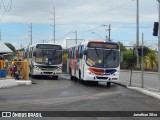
x,y
87,41
43,43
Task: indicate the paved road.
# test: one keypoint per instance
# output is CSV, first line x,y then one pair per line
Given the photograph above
x,y
67,95
150,79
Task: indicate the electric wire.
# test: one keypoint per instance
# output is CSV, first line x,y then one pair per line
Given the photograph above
x,y
6,9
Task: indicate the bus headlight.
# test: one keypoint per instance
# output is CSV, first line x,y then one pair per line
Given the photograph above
x,y
115,74
59,69
37,68
89,72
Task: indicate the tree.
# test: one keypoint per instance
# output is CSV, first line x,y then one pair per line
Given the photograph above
x,y
151,60
10,46
122,47
65,57
129,58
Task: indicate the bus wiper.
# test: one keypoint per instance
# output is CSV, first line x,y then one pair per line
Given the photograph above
x,y
55,54
109,53
96,52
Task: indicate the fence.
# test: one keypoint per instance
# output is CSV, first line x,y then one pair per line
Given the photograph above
x,y
7,69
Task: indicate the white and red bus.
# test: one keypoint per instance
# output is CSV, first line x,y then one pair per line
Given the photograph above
x,y
95,60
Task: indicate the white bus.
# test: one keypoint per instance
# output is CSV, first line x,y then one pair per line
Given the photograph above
x,y
95,60
44,59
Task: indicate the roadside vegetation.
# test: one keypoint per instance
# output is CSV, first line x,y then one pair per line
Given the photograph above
x,y
150,59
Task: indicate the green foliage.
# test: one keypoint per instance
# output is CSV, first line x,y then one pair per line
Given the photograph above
x,y
129,58
151,59
65,57
122,47
10,46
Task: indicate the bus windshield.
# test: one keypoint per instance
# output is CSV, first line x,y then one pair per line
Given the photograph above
x,y
48,56
102,58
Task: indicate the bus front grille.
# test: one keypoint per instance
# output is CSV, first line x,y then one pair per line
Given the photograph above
x,y
102,77
47,72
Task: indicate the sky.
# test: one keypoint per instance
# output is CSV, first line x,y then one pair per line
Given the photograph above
x,y
87,17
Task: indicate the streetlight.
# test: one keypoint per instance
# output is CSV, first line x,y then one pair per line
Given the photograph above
x,y
97,35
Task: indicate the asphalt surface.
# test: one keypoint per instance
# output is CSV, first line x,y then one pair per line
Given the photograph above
x,y
46,94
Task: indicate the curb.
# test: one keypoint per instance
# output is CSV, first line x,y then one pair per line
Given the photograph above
x,y
12,82
142,90
119,83
7,83
146,92
24,82
145,72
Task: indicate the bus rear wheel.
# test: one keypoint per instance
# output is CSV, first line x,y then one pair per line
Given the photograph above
x,y
55,77
108,84
71,77
80,79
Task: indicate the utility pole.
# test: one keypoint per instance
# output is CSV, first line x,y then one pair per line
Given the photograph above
x,y
109,31
30,33
137,31
0,35
142,66
137,18
159,47
53,13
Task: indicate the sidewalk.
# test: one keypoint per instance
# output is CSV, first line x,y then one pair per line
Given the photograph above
x,y
12,82
136,71
151,93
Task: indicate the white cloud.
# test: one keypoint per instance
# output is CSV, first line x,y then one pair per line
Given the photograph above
x,y
80,12
83,16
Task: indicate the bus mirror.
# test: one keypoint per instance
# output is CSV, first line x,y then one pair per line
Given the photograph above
x,y
34,53
85,52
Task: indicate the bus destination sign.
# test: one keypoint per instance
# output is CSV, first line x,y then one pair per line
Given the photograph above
x,y
103,45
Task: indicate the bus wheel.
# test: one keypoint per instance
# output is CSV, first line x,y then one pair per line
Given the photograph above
x,y
80,79
55,77
108,84
71,77
32,76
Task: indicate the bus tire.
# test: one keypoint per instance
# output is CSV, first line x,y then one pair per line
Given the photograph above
x,y
108,84
71,77
29,74
80,79
55,77
32,76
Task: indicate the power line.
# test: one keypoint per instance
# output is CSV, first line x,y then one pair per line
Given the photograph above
x,y
117,7
6,8
131,26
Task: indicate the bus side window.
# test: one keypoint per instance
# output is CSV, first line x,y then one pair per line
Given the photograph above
x,y
81,51
77,53
69,54
30,52
73,52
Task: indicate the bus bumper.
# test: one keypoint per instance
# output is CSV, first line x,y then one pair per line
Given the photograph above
x,y
101,78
